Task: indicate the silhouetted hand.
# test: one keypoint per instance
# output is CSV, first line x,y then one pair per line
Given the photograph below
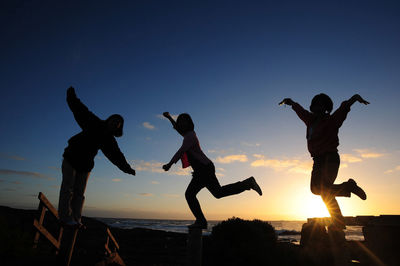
x,y
166,114
131,172
166,166
360,99
71,92
287,101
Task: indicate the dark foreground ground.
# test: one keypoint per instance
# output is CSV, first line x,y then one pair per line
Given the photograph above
x,y
226,246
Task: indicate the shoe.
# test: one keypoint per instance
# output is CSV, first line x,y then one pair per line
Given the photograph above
x,y
198,225
356,189
254,185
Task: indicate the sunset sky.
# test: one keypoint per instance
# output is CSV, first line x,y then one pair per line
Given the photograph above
x,y
226,63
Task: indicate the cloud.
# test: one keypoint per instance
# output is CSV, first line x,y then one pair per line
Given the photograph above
x,y
54,168
232,158
290,165
171,195
116,179
366,153
248,144
148,125
350,158
220,151
25,173
17,182
396,169
146,194
219,172
156,167
150,166
180,171
12,157
155,182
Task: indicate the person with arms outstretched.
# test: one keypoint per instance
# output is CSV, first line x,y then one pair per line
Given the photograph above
x,y
78,157
203,173
322,142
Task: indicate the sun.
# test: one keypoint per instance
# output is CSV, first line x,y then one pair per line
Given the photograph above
x,y
315,207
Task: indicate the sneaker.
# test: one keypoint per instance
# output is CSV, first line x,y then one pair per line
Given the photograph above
x,y
254,185
198,225
356,189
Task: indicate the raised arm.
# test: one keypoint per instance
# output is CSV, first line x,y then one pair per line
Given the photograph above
x,y
303,114
341,113
173,122
356,98
114,154
82,115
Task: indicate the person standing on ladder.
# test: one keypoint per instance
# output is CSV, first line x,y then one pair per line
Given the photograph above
x,y
79,156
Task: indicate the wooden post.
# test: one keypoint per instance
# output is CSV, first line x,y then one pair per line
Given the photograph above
x,y
67,245
112,253
71,247
44,206
194,246
42,210
340,251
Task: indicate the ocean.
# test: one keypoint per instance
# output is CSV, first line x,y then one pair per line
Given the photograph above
x,y
288,231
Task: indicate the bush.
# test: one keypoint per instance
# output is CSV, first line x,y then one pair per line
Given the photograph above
x,y
241,242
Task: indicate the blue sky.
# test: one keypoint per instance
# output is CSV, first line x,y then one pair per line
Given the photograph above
x,y
227,64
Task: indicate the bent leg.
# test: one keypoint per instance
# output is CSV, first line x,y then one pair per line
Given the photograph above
x,y
324,173
219,191
66,190
194,187
78,198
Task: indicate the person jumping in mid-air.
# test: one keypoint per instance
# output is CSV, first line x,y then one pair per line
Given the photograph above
x,y
322,142
79,156
203,170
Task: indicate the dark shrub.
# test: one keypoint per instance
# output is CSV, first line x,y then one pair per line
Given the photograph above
x,y
241,242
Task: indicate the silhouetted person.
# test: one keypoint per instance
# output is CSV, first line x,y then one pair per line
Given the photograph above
x,y
79,156
322,142
203,170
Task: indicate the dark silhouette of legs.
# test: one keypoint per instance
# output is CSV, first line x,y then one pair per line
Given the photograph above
x,y
219,191
206,178
72,194
324,173
78,198
194,187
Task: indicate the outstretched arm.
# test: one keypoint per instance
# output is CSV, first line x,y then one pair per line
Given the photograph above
x,y
287,101
82,115
341,113
356,98
173,122
114,154
303,114
169,117
187,143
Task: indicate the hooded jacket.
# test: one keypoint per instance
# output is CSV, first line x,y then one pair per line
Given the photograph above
x,y
83,147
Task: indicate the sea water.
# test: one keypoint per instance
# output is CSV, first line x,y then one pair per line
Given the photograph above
x,y
288,231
